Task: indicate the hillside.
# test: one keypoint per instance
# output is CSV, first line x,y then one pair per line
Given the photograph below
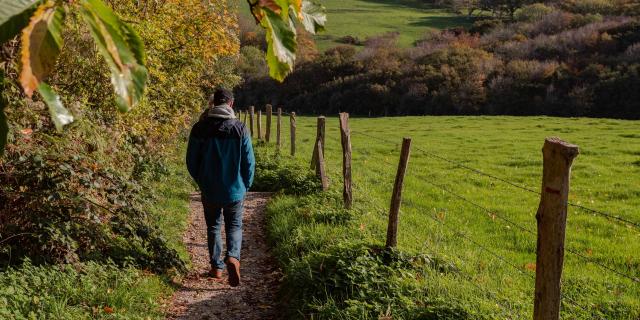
x,y
364,18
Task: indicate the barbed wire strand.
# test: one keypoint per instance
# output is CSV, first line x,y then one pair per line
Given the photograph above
x,y
524,229
605,214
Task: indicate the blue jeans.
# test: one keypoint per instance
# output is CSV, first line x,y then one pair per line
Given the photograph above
x,y
213,215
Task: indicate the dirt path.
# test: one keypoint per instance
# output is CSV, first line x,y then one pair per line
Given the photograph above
x,y
200,297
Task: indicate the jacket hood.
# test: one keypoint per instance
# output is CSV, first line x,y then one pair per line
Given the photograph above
x,y
222,111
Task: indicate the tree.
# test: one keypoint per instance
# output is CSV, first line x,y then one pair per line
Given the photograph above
x,y
503,8
40,24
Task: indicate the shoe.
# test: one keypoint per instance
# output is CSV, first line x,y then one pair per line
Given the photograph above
x,y
215,273
233,267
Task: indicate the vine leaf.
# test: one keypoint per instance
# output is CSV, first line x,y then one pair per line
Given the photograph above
x,y
59,114
41,45
122,49
14,16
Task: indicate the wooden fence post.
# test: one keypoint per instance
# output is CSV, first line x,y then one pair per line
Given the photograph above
x,y
321,168
319,137
292,121
245,117
396,196
251,113
552,221
267,135
345,135
279,128
259,123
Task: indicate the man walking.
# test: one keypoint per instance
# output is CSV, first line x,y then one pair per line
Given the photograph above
x,y
220,159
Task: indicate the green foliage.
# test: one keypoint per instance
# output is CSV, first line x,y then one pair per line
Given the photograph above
x,y
121,48
364,282
91,290
69,224
275,172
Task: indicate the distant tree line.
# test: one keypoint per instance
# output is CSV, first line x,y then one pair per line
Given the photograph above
x,y
552,60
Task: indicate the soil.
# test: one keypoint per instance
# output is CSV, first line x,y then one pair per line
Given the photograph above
x,y
201,297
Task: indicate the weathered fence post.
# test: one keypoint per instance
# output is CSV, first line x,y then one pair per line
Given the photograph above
x,y
552,220
279,128
267,135
345,135
319,137
396,196
321,168
245,117
292,121
259,124
251,113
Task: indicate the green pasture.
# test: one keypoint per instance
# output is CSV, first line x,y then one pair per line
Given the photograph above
x,y
364,18
606,176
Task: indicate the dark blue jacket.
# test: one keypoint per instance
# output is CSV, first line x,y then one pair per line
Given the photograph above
x,y
220,159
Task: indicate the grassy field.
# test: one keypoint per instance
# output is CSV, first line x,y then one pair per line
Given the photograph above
x,y
606,176
364,18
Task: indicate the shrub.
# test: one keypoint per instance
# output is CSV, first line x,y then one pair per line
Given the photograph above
x,y
350,40
62,219
276,173
484,26
604,7
533,12
356,281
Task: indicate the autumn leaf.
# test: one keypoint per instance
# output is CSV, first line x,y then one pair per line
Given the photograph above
x,y
530,266
107,309
41,45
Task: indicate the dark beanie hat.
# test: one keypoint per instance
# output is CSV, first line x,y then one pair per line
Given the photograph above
x,y
222,96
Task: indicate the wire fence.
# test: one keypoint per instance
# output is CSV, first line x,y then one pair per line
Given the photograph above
x,y
494,177
501,258
495,214
477,244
